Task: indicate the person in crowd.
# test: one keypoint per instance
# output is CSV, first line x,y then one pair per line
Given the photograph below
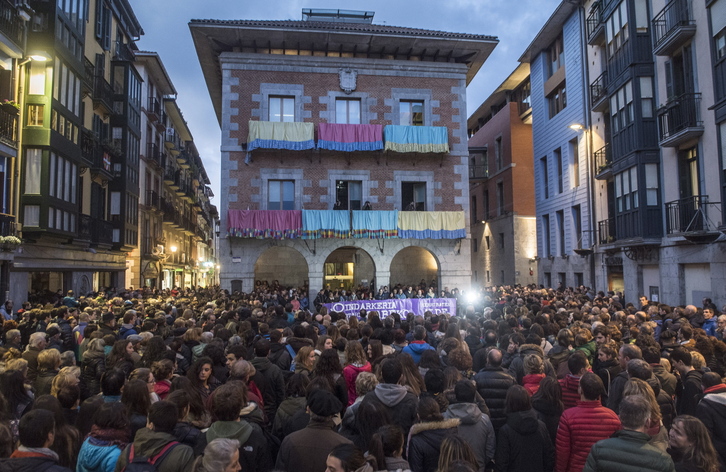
x,y
523,432
418,345
93,366
347,458
615,392
455,451
109,435
120,356
135,397
711,410
184,431
474,427
36,434
156,442
583,425
201,377
493,383
387,447
220,455
690,446
691,380
547,403
628,449
356,362
426,436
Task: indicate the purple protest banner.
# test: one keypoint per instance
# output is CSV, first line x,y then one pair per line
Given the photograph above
x,y
417,306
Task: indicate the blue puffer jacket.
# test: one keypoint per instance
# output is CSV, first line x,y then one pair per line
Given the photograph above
x,y
95,457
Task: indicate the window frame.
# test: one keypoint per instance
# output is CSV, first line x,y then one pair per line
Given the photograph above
x,y
412,121
281,109
347,101
281,194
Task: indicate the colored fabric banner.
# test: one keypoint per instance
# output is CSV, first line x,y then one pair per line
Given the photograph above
x,y
347,138
425,139
375,224
324,224
280,135
431,225
264,224
417,306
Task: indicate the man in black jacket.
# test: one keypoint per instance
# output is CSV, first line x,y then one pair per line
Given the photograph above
x,y
274,394
690,384
37,433
712,411
492,382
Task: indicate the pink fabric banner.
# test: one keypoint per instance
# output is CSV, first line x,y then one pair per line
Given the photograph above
x,y
345,137
264,224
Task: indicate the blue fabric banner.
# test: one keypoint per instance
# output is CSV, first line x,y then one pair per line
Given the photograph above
x,y
417,306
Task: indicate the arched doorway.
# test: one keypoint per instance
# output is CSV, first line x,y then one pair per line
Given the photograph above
x,y
412,265
348,268
284,264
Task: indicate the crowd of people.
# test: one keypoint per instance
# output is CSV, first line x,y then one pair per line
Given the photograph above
x,y
527,379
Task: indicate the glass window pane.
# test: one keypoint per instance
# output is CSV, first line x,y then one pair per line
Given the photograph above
x,y
355,190
288,191
275,109
405,113
634,179
340,111
354,112
288,110
32,171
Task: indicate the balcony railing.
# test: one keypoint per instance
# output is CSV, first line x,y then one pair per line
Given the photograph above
x,y
478,172
691,214
103,93
10,23
672,27
680,119
7,225
101,231
123,52
595,26
599,91
152,199
606,231
153,109
9,126
603,162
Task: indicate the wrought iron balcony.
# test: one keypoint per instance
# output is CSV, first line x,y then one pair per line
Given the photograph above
x,y
680,120
10,23
153,109
692,215
9,126
603,163
152,199
606,231
672,27
595,26
479,172
599,92
102,94
7,225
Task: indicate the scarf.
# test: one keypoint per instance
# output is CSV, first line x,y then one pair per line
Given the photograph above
x,y
109,437
35,451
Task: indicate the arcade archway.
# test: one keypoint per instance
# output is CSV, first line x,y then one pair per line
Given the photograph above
x,y
348,268
284,264
413,264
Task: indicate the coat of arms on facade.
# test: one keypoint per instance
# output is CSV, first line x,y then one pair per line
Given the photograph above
x,y
347,79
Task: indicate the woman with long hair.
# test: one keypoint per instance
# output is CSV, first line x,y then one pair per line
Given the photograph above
x,y
356,362
347,458
148,377
202,378
198,415
154,350
18,398
386,446
120,356
523,432
305,360
425,437
109,435
328,367
136,399
184,431
295,402
411,378
454,449
220,455
690,446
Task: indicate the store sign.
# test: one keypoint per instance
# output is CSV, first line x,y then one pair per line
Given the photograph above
x,y
417,306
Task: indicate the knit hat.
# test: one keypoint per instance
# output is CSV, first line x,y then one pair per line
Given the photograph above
x,y
52,331
324,403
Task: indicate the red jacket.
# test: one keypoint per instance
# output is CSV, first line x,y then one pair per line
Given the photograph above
x,y
350,372
531,382
570,395
580,428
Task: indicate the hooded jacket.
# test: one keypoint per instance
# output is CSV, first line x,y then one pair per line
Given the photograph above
x,y
570,395
92,368
284,414
424,443
308,448
416,348
476,429
627,451
148,443
279,356
97,458
400,403
580,428
274,392
531,382
524,432
254,453
712,411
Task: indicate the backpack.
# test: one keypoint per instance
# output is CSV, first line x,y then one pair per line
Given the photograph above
x,y
147,464
292,355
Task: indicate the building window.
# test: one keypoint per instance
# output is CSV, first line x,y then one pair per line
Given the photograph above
x,y
62,178
626,190
641,16
621,108
646,97
31,215
474,212
103,24
489,277
501,240
500,199
547,279
413,195
719,41
348,194
562,279
651,184
475,244
560,215
577,225
282,109
579,279
616,28
560,171
557,100
347,111
556,55
575,163
35,115
498,159
280,195
33,164
411,112
717,11
488,242
545,177
486,205
546,235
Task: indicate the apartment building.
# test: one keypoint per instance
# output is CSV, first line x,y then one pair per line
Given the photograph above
x,y
389,107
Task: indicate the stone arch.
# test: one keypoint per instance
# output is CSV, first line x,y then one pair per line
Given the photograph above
x,y
412,264
284,264
348,267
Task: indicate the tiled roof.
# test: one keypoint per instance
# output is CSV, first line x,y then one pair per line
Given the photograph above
x,y
345,27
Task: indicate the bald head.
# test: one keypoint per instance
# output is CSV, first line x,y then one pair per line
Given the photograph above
x,y
494,358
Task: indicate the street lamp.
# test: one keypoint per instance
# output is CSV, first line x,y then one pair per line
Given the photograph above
x,y
173,249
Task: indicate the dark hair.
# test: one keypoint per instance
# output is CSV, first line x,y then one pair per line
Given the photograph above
x,y
196,368
465,391
576,362
163,415
111,415
592,386
386,442
370,417
112,382
262,347
428,409
196,404
153,351
34,428
50,403
297,385
435,381
118,353
680,354
391,371
328,365
550,392
136,398
228,400
13,389
181,399
350,457
635,412
517,399
711,379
